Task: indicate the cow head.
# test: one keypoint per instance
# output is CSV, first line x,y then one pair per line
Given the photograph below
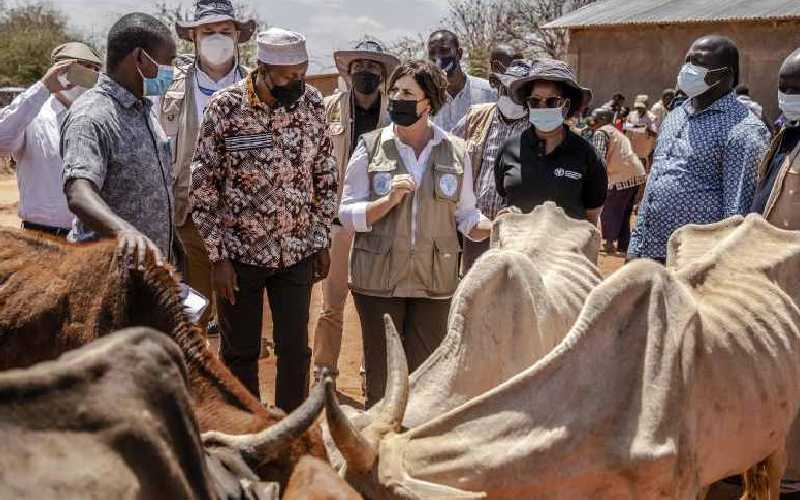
x,y
360,445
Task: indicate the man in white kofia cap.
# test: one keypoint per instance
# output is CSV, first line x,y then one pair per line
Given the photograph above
x,y
264,183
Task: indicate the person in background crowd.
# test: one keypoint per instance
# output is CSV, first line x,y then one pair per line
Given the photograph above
x,y
30,133
625,175
779,171
615,103
407,193
264,191
621,118
743,94
117,174
661,107
485,128
214,33
641,129
501,57
549,162
463,90
704,168
360,109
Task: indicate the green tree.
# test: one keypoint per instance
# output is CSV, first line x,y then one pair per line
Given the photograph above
x,y
28,34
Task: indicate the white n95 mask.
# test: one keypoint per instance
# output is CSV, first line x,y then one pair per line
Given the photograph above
x,y
692,79
217,49
509,109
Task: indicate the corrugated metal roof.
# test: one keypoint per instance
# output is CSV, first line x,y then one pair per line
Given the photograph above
x,y
607,13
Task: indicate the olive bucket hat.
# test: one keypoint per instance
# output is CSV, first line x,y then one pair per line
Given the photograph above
x,y
215,11
551,70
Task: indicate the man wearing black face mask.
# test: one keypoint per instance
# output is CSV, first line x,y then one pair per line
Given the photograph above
x,y
264,186
463,90
358,110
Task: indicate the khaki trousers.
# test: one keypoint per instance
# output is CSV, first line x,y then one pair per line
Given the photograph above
x,y
328,333
198,267
421,324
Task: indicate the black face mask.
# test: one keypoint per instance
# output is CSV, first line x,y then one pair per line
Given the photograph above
x,y
403,113
365,82
448,64
288,95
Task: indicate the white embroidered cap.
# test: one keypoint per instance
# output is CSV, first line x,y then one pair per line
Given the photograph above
x,y
280,47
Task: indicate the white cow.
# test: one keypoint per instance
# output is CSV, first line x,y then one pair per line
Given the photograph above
x,y
669,381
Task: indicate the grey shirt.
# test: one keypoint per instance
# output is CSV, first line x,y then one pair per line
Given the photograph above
x,y
111,139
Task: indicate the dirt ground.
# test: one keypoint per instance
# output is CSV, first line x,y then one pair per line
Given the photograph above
x,y
349,382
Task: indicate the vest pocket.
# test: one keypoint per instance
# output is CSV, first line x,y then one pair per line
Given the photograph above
x,y
370,261
445,265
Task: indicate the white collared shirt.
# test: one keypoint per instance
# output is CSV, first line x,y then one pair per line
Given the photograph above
x,y
30,132
475,91
202,80
355,195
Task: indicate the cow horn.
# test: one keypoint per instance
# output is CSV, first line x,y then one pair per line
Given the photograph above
x,y
360,449
357,452
267,444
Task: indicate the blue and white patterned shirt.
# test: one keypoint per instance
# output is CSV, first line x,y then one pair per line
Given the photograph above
x,y
704,170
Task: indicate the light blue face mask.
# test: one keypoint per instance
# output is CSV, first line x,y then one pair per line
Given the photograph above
x,y
546,119
157,86
789,105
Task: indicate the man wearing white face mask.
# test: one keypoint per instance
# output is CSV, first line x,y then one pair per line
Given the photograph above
x,y
485,128
29,131
215,33
548,161
779,171
704,164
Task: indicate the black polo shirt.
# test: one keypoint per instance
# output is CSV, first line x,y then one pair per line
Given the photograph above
x,y
572,175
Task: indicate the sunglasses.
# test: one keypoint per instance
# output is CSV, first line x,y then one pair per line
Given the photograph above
x,y
547,102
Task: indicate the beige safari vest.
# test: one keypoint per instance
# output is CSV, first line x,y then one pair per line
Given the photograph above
x,y
383,262
182,126
784,199
339,115
479,121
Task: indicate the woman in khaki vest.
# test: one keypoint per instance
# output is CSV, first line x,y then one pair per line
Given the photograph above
x,y
407,192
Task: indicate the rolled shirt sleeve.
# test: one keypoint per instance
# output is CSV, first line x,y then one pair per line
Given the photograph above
x,y
742,155
467,214
355,194
85,151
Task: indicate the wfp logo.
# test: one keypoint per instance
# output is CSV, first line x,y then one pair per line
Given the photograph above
x,y
569,174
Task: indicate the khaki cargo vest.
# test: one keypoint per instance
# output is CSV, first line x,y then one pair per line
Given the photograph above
x,y
182,126
339,116
384,262
479,121
783,205
624,167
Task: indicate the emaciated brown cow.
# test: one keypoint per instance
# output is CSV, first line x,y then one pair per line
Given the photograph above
x,y
113,419
56,297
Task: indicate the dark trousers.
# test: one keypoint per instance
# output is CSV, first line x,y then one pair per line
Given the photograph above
x,y
289,292
615,218
421,323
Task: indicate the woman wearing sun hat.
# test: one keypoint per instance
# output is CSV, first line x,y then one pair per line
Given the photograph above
x,y
549,162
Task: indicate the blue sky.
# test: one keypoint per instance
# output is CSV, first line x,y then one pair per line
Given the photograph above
x,y
327,24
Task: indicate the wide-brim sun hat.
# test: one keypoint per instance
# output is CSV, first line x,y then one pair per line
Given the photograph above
x,y
215,11
519,68
551,70
365,50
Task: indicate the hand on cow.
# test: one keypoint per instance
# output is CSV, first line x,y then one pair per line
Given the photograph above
x,y
51,78
322,264
134,247
507,211
401,186
223,279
